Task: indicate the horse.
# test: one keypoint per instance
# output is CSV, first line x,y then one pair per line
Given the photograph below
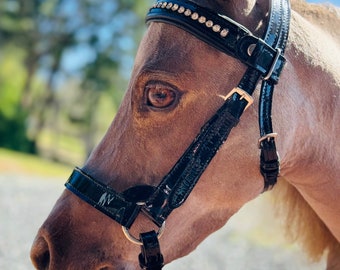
x,y
178,83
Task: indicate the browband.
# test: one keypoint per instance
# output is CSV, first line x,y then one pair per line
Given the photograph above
x,y
222,33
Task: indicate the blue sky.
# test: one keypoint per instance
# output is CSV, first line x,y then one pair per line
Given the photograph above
x,y
334,2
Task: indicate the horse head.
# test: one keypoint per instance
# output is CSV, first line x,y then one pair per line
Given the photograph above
x,y
177,84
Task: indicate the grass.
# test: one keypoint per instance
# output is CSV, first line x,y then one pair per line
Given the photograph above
x,y
20,163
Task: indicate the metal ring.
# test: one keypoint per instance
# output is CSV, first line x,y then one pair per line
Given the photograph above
x,y
137,241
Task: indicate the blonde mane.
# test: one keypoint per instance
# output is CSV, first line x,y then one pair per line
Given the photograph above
x,y
302,225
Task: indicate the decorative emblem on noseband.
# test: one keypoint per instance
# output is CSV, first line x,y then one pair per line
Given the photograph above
x,y
106,198
265,60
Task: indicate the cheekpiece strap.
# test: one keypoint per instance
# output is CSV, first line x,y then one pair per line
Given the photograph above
x,y
177,185
222,33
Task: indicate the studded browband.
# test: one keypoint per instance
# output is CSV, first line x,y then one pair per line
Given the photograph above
x,y
222,33
265,60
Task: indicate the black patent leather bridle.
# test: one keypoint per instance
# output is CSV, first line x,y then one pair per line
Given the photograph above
x,y
264,59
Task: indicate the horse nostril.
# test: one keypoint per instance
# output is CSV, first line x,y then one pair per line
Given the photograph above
x,y
40,254
106,268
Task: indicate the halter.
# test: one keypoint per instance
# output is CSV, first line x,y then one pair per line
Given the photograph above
x,y
264,59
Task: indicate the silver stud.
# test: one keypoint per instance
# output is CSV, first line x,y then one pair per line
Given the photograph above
x,y
175,7
181,9
209,23
216,28
202,19
224,32
251,49
187,12
194,16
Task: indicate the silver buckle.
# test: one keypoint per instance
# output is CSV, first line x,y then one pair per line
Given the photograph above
x,y
243,94
266,137
270,72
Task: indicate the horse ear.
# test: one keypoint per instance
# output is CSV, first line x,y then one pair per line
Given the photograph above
x,y
225,7
246,12
263,6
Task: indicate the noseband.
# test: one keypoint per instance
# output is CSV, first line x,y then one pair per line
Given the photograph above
x,y
265,61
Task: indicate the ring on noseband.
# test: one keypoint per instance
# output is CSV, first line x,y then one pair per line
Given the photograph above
x,y
137,241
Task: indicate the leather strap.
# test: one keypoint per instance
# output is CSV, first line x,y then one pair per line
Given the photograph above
x,y
150,257
122,207
182,178
276,36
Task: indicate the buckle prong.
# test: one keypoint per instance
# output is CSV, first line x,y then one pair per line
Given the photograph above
x,y
266,137
242,93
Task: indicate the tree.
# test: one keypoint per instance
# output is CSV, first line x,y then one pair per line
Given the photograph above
x,y
62,39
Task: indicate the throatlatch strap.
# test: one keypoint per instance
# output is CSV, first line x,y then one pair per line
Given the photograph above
x,y
276,36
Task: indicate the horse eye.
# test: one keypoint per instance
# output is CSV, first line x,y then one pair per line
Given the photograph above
x,y
160,96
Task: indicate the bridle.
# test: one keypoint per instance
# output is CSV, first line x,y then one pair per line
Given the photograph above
x,y
264,59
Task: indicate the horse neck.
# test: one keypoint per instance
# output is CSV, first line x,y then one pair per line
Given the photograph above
x,y
309,97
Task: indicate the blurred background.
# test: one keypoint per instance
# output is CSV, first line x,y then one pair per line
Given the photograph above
x,y
64,67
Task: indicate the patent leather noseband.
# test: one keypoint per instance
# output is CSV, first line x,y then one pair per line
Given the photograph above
x,y
265,60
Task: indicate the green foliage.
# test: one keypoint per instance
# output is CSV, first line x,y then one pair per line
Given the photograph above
x,y
12,76
12,118
13,134
48,46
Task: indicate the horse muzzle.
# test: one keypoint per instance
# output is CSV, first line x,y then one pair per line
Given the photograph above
x,y
73,238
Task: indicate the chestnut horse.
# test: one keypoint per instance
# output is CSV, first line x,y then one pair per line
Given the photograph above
x,y
176,86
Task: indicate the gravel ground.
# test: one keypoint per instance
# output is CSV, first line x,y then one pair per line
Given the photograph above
x,y
248,242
